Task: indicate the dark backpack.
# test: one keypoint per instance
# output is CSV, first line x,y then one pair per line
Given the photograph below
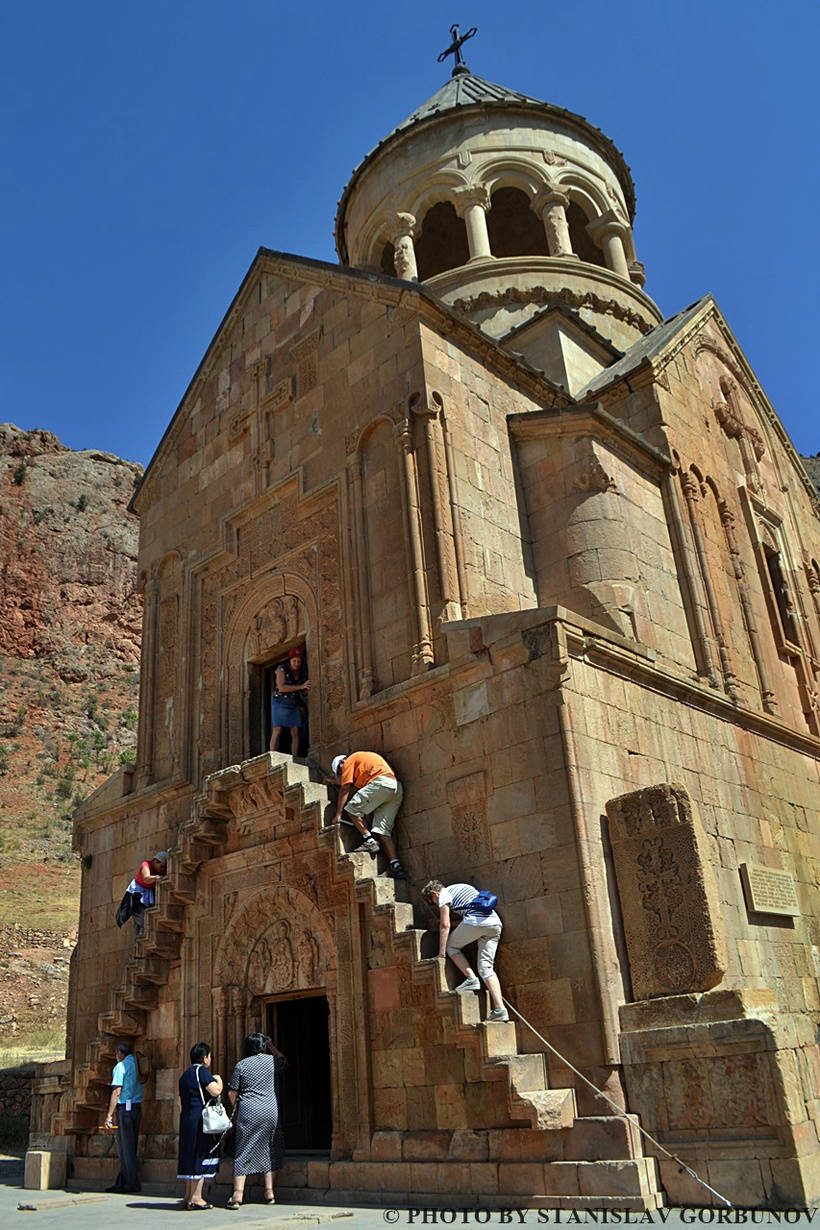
x,y
125,909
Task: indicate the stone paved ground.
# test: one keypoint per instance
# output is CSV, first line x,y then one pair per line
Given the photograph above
x,y
76,1210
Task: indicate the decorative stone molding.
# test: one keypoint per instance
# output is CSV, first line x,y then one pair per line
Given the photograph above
x,y
544,297
667,891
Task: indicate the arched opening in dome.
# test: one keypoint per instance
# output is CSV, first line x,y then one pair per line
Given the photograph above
x,y
513,228
386,263
583,245
442,243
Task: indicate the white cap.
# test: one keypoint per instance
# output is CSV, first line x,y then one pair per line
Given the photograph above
x,y
338,761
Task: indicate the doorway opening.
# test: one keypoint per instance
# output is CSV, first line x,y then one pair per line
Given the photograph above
x,y
299,1028
262,685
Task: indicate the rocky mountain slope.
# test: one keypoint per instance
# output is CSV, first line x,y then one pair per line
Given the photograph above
x,y
69,679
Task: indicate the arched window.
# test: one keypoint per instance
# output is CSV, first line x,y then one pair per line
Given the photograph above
x,y
442,243
513,228
386,264
583,245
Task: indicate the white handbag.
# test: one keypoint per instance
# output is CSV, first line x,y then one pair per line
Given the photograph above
x,y
215,1118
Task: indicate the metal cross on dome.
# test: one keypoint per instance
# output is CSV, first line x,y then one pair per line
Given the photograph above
x,y
455,49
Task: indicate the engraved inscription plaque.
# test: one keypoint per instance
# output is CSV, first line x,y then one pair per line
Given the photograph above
x,y
769,891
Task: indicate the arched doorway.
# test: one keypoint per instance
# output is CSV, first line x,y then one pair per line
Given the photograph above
x,y
275,972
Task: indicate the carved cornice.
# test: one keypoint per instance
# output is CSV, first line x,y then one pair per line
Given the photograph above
x,y
544,297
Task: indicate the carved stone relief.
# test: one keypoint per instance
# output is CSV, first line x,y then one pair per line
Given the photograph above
x,y
667,892
271,947
467,797
279,621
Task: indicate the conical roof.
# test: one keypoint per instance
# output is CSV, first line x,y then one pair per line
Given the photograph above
x,y
464,91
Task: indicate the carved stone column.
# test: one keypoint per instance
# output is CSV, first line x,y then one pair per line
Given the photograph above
x,y
610,232
366,679
422,653
551,206
145,740
728,522
402,233
692,494
442,512
682,538
472,205
237,1008
219,1012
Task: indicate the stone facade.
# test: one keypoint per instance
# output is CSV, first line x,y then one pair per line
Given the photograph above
x,y
583,626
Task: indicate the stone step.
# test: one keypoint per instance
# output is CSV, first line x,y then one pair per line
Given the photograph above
x,y
548,1110
527,1073
120,1024
152,971
140,995
596,1137
211,830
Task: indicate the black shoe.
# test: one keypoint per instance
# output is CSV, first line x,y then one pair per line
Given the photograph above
x,y
396,872
114,1188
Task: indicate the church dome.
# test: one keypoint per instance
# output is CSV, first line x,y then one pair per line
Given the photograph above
x,y
502,205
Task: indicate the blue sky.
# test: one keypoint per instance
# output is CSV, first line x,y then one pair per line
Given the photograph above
x,y
149,149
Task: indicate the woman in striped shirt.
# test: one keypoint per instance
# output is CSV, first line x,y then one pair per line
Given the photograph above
x,y
481,926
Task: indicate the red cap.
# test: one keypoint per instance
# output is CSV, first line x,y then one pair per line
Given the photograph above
x,y
296,652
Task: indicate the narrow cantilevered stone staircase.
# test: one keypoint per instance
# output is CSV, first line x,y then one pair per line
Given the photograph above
x,y
520,1138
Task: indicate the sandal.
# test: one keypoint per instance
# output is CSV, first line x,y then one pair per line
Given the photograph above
x,y
191,1205
233,1203
269,1198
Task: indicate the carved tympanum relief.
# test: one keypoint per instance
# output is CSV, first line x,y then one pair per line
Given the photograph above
x,y
273,945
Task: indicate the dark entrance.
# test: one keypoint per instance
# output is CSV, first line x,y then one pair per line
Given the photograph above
x,y
299,1029
262,683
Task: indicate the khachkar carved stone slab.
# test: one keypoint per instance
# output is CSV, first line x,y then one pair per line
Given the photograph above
x,y
667,892
769,891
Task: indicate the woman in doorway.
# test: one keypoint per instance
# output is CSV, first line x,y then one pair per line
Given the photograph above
x,y
258,1138
289,700
198,1160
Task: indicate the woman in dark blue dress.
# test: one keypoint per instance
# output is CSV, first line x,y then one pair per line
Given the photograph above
x,y
196,1162
289,701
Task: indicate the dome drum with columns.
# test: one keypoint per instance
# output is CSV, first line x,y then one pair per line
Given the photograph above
x,y
502,205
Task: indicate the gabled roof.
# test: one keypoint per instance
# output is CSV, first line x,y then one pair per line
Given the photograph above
x,y
573,317
346,280
466,92
644,350
658,347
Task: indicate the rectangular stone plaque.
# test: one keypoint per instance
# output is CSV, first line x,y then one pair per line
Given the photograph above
x,y
769,891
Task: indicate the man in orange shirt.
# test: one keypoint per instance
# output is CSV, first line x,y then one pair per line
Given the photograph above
x,y
369,787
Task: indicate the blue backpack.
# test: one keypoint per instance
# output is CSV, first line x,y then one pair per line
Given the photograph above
x,y
484,903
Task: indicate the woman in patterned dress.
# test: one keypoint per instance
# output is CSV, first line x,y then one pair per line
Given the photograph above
x,y
258,1139
198,1160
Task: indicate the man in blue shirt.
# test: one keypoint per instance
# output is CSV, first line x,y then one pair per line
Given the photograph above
x,y
126,1099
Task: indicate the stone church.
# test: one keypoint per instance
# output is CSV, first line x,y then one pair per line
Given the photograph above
x,y
555,557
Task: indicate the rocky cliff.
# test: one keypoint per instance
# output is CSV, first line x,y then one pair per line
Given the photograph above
x,y
69,669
